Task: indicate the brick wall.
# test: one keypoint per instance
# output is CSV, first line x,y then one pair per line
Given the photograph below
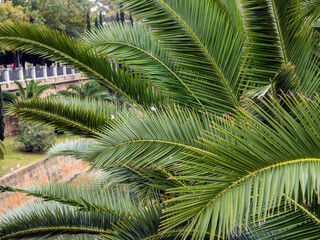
x,y
59,169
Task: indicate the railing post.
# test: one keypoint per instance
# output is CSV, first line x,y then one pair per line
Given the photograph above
x,y
64,70
44,70
6,75
33,73
21,73
54,69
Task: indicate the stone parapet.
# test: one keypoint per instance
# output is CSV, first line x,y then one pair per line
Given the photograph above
x,y
58,169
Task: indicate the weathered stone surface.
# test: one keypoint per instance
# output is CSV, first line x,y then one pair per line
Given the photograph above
x,y
59,169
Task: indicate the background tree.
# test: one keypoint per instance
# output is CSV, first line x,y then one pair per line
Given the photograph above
x,y
121,14
68,16
88,21
11,13
100,18
96,23
91,89
117,17
32,89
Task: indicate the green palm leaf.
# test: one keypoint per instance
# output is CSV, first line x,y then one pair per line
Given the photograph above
x,y
78,148
83,118
44,220
87,198
144,138
134,45
208,59
274,39
291,221
248,176
57,46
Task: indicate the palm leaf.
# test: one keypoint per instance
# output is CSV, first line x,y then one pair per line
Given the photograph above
x,y
273,39
145,183
293,221
134,45
141,139
38,220
8,97
87,198
78,148
248,176
81,117
208,59
95,65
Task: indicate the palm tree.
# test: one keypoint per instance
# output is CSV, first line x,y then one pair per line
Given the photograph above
x,y
91,89
32,89
194,158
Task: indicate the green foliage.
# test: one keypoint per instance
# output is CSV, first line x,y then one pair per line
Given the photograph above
x,y
35,138
31,89
88,21
11,13
83,118
68,16
205,161
91,89
100,18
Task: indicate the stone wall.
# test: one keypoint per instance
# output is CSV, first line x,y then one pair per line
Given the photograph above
x,y
59,169
11,128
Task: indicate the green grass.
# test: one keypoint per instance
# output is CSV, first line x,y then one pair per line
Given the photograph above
x,y
15,156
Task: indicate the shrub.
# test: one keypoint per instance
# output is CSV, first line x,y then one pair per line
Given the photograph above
x,y
35,138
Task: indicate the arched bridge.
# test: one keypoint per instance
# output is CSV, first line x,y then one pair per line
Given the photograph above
x,y
60,76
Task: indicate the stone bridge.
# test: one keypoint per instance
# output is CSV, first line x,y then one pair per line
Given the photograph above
x,y
60,76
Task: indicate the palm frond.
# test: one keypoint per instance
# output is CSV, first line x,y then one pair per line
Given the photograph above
x,y
248,176
291,221
87,198
144,183
273,39
145,138
78,148
8,97
95,65
36,220
78,211
80,117
134,45
208,59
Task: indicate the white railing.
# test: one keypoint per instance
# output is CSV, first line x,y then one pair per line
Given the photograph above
x,y
9,75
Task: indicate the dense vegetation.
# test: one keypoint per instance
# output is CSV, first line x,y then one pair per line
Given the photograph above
x,y
222,140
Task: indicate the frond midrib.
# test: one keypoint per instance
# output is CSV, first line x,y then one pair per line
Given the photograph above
x,y
74,60
71,229
303,209
225,83
159,61
95,133
177,232
279,32
252,174
189,147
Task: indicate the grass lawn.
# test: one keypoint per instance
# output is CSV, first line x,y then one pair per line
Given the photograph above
x,y
15,156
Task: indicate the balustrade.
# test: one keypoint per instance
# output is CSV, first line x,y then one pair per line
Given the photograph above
x,y
8,75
